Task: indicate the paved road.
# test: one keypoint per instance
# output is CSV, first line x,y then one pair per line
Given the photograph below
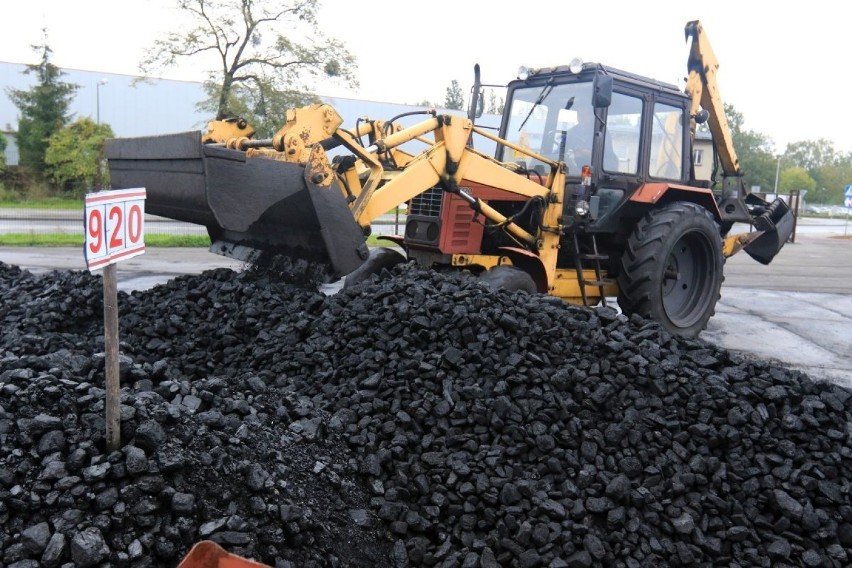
x,y
796,311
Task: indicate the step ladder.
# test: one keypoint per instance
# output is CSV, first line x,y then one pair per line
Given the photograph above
x,y
594,258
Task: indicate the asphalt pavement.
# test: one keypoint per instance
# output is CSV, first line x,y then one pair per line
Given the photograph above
x,y
796,311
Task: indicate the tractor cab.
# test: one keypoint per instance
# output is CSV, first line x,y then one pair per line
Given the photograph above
x,y
614,131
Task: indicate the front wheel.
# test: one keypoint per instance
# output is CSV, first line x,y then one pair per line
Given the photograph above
x,y
509,278
671,269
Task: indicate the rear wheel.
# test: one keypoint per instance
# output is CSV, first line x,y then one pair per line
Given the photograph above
x,y
381,258
671,269
509,278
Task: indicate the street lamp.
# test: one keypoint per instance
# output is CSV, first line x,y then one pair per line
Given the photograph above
x,y
777,172
98,99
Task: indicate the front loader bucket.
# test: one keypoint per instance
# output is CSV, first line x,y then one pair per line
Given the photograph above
x,y
777,223
247,203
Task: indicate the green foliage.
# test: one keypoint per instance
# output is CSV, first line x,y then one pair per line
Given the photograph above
x,y
18,201
74,157
495,106
455,98
812,165
754,150
830,170
256,58
831,181
795,178
2,152
43,109
811,155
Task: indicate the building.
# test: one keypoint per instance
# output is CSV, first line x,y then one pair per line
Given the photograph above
x,y
130,107
136,107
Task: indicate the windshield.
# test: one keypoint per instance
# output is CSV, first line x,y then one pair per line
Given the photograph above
x,y
551,119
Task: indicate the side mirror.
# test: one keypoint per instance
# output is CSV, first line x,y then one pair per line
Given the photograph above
x,y
602,90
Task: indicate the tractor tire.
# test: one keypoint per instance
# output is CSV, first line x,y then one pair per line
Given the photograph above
x,y
509,278
380,259
672,268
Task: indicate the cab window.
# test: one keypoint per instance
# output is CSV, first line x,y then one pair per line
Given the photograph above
x,y
624,122
666,142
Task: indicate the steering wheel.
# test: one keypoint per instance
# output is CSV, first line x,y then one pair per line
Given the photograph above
x,y
572,156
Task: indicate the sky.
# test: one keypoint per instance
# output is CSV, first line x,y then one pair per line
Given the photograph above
x,y
782,65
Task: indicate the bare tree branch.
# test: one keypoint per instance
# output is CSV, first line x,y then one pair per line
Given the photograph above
x,y
246,39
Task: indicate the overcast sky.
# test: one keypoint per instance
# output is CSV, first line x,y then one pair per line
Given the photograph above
x,y
784,66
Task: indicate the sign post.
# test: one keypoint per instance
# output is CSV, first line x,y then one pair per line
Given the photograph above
x,y
115,230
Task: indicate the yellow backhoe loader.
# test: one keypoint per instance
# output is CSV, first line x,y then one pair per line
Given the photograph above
x,y
612,210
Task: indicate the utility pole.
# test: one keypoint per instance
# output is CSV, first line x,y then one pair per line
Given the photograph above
x,y
777,174
98,100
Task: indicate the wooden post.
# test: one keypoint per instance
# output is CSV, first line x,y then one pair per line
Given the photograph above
x,y
113,425
115,230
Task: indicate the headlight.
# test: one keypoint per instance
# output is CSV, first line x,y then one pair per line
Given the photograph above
x,y
576,65
523,73
581,208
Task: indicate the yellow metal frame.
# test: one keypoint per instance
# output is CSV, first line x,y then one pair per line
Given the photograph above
x,y
567,287
446,163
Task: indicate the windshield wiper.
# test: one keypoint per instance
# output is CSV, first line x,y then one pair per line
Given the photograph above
x,y
544,92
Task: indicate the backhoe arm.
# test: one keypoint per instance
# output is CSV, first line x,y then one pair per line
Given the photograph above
x,y
701,85
774,222
446,163
703,89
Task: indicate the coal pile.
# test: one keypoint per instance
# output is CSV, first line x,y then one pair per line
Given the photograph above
x,y
419,420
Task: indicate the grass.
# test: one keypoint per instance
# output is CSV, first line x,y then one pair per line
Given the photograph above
x,y
64,239
46,203
161,241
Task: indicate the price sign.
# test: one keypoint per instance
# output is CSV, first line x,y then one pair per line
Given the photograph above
x,y
114,226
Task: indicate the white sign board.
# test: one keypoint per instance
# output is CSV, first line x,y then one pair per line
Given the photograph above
x,y
848,195
114,226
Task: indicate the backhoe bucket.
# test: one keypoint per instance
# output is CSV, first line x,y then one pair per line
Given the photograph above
x,y
777,223
250,205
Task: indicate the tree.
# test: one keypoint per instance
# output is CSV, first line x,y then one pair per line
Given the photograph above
x,y
265,107
455,98
831,181
256,63
795,178
2,152
44,109
754,150
810,154
495,106
74,156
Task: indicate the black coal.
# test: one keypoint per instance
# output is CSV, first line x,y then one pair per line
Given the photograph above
x,y
419,420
